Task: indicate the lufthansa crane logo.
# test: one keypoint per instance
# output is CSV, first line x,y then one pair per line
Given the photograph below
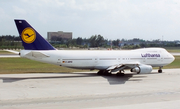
x,y
28,35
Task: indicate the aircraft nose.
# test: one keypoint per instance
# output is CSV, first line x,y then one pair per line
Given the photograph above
x,y
173,58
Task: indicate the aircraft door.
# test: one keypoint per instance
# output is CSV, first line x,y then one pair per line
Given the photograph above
x,y
160,59
96,60
59,61
144,60
119,60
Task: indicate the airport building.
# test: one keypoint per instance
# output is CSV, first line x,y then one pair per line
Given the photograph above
x,y
56,36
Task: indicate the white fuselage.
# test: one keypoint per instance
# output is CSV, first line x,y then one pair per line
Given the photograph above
x,y
97,59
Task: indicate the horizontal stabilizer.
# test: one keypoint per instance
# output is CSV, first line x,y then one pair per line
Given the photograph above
x,y
36,54
12,51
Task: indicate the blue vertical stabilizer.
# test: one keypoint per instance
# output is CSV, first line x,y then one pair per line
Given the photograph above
x,y
31,39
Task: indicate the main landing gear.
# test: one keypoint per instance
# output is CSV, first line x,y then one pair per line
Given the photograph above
x,y
160,70
104,72
120,73
108,73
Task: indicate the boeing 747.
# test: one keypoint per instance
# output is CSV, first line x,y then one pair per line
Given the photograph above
x,y
139,60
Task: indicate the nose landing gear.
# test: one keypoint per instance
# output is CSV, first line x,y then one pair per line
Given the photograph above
x,y
160,70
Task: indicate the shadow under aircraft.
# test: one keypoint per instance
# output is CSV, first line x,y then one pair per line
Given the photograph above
x,y
113,79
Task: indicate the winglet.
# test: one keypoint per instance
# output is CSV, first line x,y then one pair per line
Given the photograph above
x,y
31,39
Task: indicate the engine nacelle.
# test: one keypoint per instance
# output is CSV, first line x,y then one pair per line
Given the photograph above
x,y
142,69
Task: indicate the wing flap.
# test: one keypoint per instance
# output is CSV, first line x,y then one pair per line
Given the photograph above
x,y
122,66
111,67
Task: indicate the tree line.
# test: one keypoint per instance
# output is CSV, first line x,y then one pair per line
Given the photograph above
x,y
10,42
93,41
100,41
14,42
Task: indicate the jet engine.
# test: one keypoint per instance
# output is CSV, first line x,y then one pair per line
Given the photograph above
x,y
142,69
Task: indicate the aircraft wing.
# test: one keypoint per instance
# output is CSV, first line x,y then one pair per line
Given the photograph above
x,y
122,66
12,51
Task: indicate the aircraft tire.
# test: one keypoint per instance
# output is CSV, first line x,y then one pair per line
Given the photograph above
x,y
106,73
159,71
120,74
100,72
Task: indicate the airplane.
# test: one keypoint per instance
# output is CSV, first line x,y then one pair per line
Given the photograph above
x,y
105,61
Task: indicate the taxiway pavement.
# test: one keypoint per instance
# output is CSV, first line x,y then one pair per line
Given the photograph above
x,y
87,90
9,56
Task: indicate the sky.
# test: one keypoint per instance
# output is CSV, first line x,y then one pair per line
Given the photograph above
x,y
113,19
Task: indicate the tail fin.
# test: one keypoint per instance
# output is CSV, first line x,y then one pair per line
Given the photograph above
x,y
31,39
